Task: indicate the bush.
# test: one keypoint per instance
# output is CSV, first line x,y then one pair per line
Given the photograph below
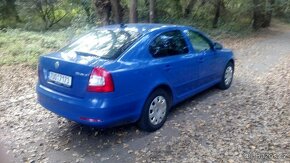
x,y
19,46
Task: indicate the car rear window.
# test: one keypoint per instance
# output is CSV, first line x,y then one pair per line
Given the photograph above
x,y
108,44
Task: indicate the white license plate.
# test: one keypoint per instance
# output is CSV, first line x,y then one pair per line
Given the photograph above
x,y
60,79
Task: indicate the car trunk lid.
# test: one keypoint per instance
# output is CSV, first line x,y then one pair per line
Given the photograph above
x,y
68,73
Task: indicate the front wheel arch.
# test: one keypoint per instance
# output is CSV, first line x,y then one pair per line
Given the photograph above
x,y
232,61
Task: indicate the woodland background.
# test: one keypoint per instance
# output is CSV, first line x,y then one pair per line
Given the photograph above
x,y
29,28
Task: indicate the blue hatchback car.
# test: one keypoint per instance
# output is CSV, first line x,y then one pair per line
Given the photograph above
x,y
130,73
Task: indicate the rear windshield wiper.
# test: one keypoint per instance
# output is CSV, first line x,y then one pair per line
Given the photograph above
x,y
86,54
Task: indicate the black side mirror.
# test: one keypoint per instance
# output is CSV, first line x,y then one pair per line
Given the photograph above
x,y
217,46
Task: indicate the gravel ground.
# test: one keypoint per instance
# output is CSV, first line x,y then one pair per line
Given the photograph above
x,y
250,122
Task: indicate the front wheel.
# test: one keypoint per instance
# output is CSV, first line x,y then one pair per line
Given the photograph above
x,y
227,76
155,111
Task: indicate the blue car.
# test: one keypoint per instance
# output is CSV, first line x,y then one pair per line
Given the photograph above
x,y
131,73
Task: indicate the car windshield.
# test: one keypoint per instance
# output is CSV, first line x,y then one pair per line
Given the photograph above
x,y
107,44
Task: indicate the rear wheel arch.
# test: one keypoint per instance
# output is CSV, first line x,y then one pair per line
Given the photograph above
x,y
166,88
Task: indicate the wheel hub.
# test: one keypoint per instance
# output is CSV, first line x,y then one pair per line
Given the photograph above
x,y
157,110
228,75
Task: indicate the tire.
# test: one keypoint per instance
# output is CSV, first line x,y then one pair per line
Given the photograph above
x,y
157,105
227,77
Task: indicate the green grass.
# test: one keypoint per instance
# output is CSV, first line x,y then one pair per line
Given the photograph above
x,y
20,46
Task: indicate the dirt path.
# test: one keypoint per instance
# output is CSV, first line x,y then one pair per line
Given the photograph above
x,y
250,119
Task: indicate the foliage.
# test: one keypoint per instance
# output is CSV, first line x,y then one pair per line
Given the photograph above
x,y
20,46
34,27
56,14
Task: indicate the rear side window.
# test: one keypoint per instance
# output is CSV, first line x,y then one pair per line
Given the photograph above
x,y
198,42
168,44
107,44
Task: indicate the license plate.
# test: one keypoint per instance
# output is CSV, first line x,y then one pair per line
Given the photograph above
x,y
60,79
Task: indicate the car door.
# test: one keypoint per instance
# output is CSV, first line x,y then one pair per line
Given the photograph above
x,y
207,58
171,52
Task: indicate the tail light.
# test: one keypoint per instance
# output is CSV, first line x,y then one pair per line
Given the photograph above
x,y
100,81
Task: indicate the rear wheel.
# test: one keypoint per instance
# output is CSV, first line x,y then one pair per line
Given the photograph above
x,y
155,111
227,76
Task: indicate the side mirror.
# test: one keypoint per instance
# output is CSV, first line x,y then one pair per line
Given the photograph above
x,y
217,46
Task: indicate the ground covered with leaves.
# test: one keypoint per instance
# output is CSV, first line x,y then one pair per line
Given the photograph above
x,y
249,122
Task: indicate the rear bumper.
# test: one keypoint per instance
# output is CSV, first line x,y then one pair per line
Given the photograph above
x,y
107,112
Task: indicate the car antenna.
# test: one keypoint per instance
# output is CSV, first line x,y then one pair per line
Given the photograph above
x,y
122,25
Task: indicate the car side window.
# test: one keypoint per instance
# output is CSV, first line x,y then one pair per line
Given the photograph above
x,y
199,43
168,44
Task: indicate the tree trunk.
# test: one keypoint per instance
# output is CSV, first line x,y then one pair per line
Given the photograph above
x,y
217,13
117,11
11,9
268,14
258,16
103,11
133,17
262,14
178,8
189,8
151,11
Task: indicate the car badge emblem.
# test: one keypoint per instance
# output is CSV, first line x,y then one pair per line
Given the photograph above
x,y
56,65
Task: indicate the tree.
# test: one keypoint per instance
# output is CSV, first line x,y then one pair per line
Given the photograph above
x,y
262,14
103,10
218,4
151,11
133,17
47,11
188,8
86,5
268,13
257,14
117,11
9,10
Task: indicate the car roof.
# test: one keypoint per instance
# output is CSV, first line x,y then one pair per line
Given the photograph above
x,y
143,28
